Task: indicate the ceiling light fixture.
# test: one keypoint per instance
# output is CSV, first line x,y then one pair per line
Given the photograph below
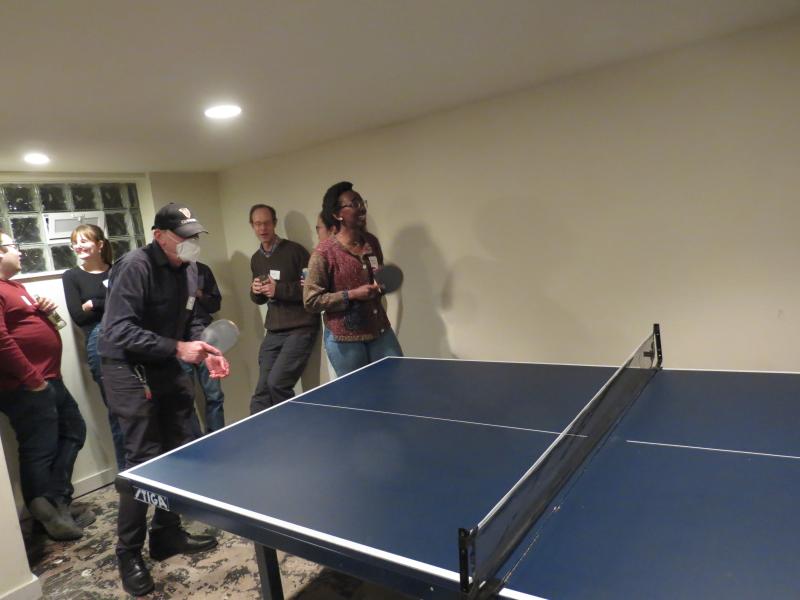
x,y
36,158
223,111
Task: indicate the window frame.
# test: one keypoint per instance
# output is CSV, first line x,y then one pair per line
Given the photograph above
x,y
140,206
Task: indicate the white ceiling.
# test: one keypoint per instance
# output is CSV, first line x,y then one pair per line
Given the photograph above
x,y
120,85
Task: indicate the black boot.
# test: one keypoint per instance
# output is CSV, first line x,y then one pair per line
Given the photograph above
x,y
136,579
80,515
56,526
176,540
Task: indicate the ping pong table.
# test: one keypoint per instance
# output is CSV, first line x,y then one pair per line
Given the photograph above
x,y
693,492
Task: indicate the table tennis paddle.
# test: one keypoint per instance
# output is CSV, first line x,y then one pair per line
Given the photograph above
x,y
221,334
389,277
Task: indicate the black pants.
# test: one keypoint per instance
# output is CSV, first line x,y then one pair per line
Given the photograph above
x,y
149,428
50,432
281,360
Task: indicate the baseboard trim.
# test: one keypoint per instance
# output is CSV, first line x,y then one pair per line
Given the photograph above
x,y
31,590
93,482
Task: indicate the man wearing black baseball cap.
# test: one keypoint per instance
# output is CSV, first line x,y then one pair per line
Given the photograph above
x,y
179,219
149,323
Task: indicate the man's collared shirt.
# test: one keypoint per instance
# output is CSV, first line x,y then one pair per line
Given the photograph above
x,y
268,253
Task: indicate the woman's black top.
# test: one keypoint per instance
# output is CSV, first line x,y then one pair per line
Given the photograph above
x,y
80,286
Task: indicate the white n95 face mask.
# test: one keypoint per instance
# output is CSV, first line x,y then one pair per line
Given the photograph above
x,y
188,250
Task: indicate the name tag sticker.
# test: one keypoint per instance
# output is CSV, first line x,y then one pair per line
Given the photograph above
x,y
149,497
190,303
275,274
373,261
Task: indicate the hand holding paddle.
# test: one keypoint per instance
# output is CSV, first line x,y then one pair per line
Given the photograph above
x,y
389,277
364,292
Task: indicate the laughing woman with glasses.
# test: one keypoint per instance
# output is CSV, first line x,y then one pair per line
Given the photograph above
x,y
340,283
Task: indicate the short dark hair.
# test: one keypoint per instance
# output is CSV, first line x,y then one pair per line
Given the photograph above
x,y
256,207
330,201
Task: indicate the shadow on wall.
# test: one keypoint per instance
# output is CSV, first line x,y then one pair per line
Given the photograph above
x,y
300,228
252,332
93,409
516,299
419,323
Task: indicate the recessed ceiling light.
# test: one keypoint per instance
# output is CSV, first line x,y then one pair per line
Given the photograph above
x,y
223,111
36,158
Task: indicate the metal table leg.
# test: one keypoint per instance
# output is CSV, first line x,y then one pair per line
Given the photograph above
x,y
267,560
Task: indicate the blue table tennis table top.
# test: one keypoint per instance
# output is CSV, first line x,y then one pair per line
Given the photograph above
x,y
694,495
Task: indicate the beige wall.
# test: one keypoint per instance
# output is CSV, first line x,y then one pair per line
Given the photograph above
x,y
559,223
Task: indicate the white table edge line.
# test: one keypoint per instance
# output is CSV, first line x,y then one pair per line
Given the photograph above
x,y
707,449
743,371
412,416
312,533
515,595
498,361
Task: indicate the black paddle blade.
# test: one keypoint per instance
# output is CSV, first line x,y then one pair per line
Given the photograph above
x,y
389,277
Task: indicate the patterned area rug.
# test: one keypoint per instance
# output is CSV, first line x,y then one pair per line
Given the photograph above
x,y
87,569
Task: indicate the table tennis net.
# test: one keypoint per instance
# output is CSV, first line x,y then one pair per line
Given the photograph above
x,y
486,549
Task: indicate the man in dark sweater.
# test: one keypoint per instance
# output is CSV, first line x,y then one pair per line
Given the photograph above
x,y
277,268
49,427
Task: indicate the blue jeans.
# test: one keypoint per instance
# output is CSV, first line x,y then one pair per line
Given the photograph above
x,y
212,390
50,432
349,356
94,366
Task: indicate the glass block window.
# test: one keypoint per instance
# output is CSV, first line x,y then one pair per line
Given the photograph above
x,y
19,198
63,257
116,224
136,221
83,197
26,230
53,197
112,196
133,196
120,247
33,260
23,208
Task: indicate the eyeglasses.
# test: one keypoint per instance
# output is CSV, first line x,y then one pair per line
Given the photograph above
x,y
14,245
356,204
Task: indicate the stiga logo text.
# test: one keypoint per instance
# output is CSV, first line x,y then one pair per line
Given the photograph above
x,y
151,498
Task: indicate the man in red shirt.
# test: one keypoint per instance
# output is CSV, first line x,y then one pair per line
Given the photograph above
x,y
45,417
